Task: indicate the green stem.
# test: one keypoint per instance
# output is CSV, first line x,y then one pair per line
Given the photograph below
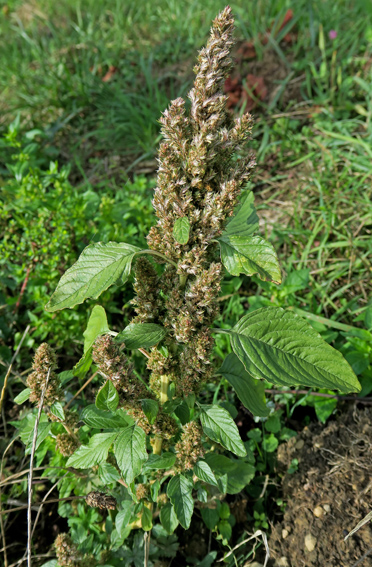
x,y
154,253
183,280
164,383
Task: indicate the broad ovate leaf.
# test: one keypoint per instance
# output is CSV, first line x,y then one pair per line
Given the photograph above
x,y
105,419
280,347
245,220
22,396
179,492
251,392
204,472
141,335
99,266
168,518
249,255
95,453
181,230
130,452
107,398
97,325
219,426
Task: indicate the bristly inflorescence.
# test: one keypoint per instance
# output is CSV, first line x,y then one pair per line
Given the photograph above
x,y
200,177
45,361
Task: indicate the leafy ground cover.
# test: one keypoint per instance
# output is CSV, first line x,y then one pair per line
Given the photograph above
x,y
88,83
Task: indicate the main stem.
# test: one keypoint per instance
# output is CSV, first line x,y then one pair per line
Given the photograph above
x,y
164,384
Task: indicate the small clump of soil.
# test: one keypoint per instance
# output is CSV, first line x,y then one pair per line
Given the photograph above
x,y
327,496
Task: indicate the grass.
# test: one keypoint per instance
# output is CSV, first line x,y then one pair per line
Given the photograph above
x,y
96,77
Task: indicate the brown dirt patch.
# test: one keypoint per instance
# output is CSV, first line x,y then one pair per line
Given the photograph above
x,y
328,495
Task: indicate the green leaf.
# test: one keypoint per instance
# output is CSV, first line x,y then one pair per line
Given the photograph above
x,y
225,529
168,518
103,419
238,473
270,443
97,325
245,220
98,267
203,471
249,255
146,519
150,408
219,426
43,431
22,396
158,462
108,473
130,452
251,392
123,516
82,367
57,410
154,490
141,335
181,230
179,492
222,483
210,517
280,347
182,411
107,397
94,453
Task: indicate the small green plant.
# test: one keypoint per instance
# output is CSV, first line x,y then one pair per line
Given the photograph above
x,y
154,435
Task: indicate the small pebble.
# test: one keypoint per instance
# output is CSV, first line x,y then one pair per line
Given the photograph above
x,y
282,562
255,564
310,542
285,533
327,508
318,511
299,444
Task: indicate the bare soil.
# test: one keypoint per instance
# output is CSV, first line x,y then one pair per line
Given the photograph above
x,y
327,496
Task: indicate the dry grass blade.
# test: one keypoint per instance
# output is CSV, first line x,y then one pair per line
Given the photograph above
x,y
28,551
256,534
360,525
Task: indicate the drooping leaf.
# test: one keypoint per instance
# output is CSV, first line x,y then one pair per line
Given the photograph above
x,y
94,453
124,515
57,410
130,452
249,255
245,220
22,396
141,335
43,431
168,518
107,397
280,347
150,408
98,267
82,367
146,519
219,426
108,473
182,411
181,230
210,517
104,419
97,325
179,492
158,462
203,471
250,391
238,473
